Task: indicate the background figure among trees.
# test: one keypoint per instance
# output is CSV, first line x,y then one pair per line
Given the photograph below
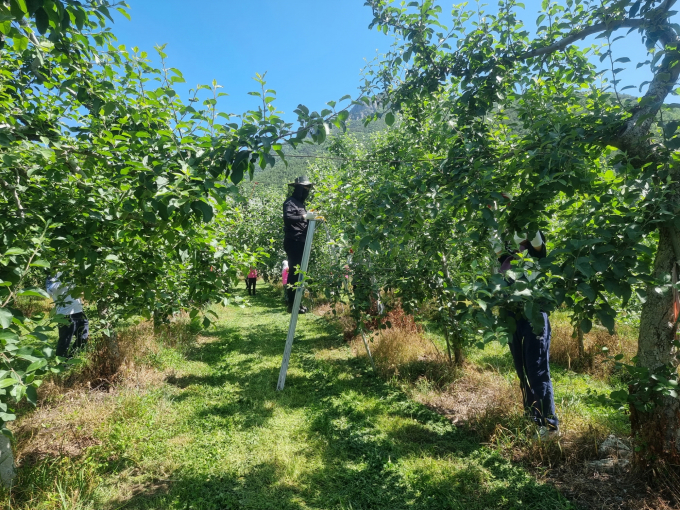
x,y
251,281
284,279
71,308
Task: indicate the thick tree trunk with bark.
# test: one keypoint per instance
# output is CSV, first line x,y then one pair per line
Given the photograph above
x,y
659,429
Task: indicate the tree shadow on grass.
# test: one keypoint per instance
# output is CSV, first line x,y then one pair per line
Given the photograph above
x,y
261,488
373,448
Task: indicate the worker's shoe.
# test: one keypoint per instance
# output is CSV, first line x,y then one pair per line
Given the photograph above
x,y
547,433
303,309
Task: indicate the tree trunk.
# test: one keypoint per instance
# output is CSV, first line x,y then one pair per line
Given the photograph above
x,y
457,343
448,342
459,356
7,472
581,344
659,429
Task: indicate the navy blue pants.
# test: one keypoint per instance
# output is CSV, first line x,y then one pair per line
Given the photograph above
x,y
78,327
531,354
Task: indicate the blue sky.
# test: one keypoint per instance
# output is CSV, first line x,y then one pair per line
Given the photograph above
x,y
312,50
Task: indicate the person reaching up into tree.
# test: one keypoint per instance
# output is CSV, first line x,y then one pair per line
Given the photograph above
x,y
295,224
72,308
530,350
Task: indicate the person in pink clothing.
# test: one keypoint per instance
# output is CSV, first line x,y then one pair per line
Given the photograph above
x,y
284,278
251,280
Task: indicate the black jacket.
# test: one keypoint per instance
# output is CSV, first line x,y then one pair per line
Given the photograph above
x,y
294,223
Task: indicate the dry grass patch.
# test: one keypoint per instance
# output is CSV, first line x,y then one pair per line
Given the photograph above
x,y
66,429
564,348
406,355
490,405
478,399
72,408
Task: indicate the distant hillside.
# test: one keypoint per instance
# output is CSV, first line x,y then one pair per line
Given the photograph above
x,y
279,175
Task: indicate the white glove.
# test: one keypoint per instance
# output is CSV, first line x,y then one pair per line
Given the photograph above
x,y
310,216
518,238
537,241
496,244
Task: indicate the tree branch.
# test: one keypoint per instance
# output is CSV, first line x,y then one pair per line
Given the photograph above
x,y
13,189
632,138
582,34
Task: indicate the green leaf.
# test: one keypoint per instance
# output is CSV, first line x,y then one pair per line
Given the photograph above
x,y
42,20
15,251
586,325
35,292
36,365
18,8
587,291
389,118
20,43
109,108
6,383
607,320
7,417
40,263
9,336
237,174
619,396
32,395
150,217
5,318
124,13
205,209
33,5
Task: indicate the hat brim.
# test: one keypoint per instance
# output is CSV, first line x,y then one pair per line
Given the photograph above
x,y
300,184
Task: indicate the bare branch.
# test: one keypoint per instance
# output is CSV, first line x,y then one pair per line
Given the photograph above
x,y
582,34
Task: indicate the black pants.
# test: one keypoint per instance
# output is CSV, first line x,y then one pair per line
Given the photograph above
x,y
79,327
294,252
250,285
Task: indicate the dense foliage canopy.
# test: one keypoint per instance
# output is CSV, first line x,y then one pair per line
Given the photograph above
x,y
110,178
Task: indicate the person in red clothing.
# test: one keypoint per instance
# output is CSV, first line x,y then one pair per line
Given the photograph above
x,y
251,280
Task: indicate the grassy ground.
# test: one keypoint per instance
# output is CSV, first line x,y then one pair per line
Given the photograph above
x,y
484,395
215,435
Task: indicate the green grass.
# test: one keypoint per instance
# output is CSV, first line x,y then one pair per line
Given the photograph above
x,y
575,402
217,435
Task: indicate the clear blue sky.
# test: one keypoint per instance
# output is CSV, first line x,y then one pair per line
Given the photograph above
x,y
312,50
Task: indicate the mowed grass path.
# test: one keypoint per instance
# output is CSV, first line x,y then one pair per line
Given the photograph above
x,y
217,435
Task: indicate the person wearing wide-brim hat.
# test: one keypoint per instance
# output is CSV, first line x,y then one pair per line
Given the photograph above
x,y
295,224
